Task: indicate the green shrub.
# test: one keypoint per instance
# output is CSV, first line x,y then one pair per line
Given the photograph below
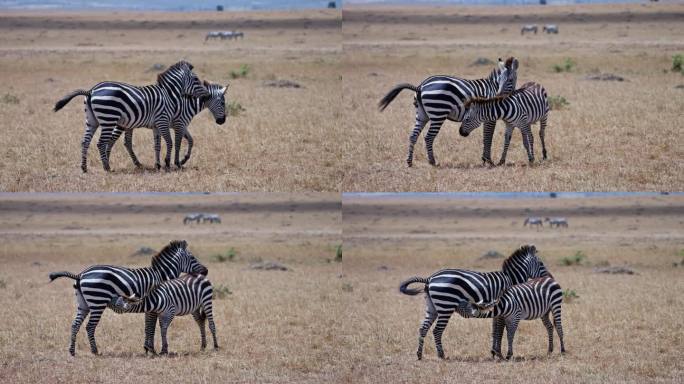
x,y
2,284
10,99
228,256
338,253
678,63
221,291
234,108
347,287
569,295
557,102
566,66
240,73
576,259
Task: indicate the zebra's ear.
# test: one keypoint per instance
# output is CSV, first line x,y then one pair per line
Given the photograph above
x,y
501,64
183,244
225,89
205,83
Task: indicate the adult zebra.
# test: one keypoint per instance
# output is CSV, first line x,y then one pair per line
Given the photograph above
x,y
97,285
439,98
534,299
522,108
189,108
453,290
177,297
112,104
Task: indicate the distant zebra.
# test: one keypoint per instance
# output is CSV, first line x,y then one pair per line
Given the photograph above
x,y
439,98
211,218
537,221
529,28
521,109
214,35
196,217
97,285
550,28
178,297
238,34
113,105
453,290
527,301
557,221
189,108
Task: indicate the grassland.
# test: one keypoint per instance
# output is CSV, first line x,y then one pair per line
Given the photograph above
x,y
612,136
283,139
620,328
275,326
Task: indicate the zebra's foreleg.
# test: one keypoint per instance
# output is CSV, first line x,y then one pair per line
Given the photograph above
x,y
157,148
542,129
549,330
487,135
164,322
442,321
511,327
507,142
528,141
150,325
200,320
498,325
128,142
93,320
163,127
188,137
430,136
415,133
430,316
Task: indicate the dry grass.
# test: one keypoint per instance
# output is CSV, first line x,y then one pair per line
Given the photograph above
x,y
285,140
612,136
622,328
274,327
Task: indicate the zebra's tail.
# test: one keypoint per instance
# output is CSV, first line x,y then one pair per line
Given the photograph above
x,y
385,101
57,275
403,288
66,99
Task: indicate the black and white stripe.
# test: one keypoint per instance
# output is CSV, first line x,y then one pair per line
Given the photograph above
x,y
528,28
531,300
453,290
178,297
97,285
189,108
439,98
521,109
112,104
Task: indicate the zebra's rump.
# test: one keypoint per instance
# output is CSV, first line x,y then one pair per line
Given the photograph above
x,y
100,283
450,287
126,104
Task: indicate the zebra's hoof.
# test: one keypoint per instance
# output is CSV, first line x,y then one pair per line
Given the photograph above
x,y
138,165
72,353
502,162
84,169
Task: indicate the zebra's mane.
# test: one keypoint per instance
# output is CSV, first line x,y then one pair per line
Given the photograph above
x,y
168,250
179,66
524,252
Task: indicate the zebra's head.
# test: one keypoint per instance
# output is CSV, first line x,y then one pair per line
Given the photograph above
x,y
506,76
472,117
524,264
181,77
176,258
216,101
482,309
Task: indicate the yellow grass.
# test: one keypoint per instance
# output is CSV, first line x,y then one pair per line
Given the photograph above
x,y
622,328
285,140
274,327
612,136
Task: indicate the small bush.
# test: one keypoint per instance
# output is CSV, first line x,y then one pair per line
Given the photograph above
x,y
338,253
221,291
566,66
557,102
678,63
569,295
2,284
10,99
347,287
240,73
234,108
228,256
576,259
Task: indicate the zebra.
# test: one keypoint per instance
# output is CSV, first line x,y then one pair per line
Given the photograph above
x,y
536,221
211,218
238,34
196,217
112,104
529,28
557,221
189,107
550,28
213,35
522,108
98,284
439,98
178,297
531,300
452,290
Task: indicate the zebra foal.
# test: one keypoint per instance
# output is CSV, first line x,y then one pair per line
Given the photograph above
x,y
178,297
454,290
531,300
522,108
114,105
441,98
97,285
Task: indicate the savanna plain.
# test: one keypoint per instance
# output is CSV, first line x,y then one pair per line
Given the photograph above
x,y
606,135
618,327
273,326
282,127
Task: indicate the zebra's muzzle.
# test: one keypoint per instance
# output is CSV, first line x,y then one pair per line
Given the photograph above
x,y
463,132
221,120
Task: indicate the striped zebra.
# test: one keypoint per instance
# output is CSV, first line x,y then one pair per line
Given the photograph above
x,y
453,290
177,297
522,108
557,222
440,98
189,108
112,104
196,217
97,285
531,300
550,28
211,218
528,28
536,221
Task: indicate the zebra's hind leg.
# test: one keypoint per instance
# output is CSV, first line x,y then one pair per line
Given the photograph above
x,y
209,312
559,327
200,320
542,129
549,330
430,316
163,127
507,142
115,136
528,141
498,325
179,134
188,137
128,142
442,321
93,320
81,314
157,148
103,143
150,325
421,120
487,134
91,125
430,136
